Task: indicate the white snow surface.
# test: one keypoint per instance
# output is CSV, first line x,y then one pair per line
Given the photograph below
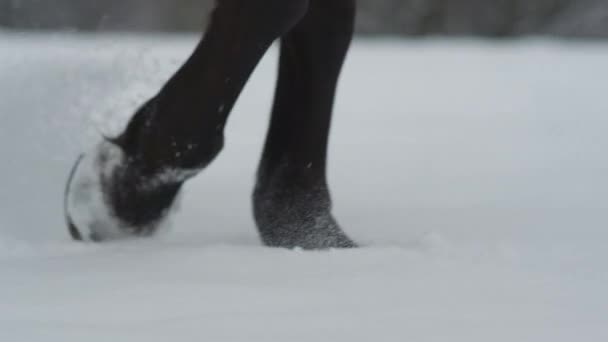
x,y
475,175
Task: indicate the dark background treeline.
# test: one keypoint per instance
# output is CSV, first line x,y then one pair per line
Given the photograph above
x,y
496,18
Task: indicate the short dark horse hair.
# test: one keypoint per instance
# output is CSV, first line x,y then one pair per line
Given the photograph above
x,y
182,126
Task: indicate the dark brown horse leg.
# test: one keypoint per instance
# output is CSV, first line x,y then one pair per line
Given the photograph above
x,y
291,201
127,185
183,124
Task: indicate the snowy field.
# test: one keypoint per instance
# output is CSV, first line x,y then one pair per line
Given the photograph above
x,y
474,173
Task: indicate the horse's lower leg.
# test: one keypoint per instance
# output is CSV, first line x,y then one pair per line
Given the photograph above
x,y
180,130
182,126
291,200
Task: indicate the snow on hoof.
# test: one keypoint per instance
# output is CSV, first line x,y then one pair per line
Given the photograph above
x,y
320,235
105,200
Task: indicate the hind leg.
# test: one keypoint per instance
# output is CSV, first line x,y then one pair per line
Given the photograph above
x,y
126,186
292,203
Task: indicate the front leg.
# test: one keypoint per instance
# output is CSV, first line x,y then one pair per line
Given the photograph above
x,y
292,202
126,187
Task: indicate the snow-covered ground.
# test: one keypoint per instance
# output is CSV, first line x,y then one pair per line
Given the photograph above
x,y
475,174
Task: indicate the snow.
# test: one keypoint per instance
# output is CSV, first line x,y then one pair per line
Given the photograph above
x,y
474,173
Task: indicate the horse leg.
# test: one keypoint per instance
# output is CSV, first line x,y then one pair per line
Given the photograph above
x,y
292,203
178,132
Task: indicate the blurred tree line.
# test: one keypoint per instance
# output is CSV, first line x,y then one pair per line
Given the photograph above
x,y
588,18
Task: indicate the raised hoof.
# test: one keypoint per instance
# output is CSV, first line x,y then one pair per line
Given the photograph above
x,y
72,229
106,198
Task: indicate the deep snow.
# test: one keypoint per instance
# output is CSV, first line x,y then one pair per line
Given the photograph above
x,y
474,173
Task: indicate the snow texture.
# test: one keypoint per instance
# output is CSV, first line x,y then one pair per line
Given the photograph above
x,y
474,174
